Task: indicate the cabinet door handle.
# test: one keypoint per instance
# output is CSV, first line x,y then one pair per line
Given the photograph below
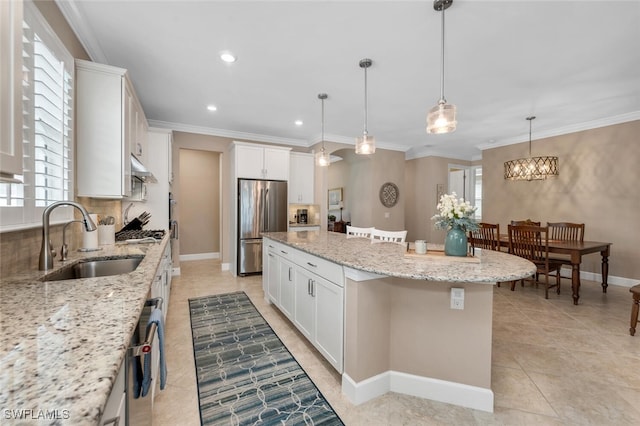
x,y
312,265
290,273
270,254
283,252
313,288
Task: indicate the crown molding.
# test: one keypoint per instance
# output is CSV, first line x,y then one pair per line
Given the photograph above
x,y
227,133
573,128
85,35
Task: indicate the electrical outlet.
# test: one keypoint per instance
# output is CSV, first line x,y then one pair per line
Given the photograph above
x,y
457,298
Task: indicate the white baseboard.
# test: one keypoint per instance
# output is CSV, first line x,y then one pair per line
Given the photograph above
x,y
597,277
423,387
226,266
199,256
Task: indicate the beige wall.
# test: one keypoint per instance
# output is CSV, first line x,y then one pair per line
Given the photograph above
x,y
404,325
199,203
421,177
597,185
360,177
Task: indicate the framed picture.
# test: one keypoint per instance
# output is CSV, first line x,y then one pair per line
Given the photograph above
x,y
335,198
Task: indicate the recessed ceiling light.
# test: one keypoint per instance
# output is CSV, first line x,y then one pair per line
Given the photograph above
x,y
228,57
299,122
212,107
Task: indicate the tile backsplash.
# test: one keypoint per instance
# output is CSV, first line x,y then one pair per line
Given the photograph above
x,y
20,250
312,210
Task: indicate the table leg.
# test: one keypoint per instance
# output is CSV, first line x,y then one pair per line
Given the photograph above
x,y
634,313
605,269
575,282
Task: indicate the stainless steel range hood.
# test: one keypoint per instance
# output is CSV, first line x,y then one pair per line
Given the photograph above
x,y
139,171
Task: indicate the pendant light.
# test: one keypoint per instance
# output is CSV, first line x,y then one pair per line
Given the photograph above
x,y
365,144
442,117
323,158
531,168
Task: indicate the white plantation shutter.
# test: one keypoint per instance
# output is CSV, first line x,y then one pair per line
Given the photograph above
x,y
48,71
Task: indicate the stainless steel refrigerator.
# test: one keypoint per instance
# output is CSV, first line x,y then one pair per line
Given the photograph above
x,y
262,207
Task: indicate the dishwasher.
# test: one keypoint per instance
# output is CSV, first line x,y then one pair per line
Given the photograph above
x,y
143,343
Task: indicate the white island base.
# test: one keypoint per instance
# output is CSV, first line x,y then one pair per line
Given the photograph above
x,y
402,336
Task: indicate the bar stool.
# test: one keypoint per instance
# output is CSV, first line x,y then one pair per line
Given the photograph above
x,y
635,290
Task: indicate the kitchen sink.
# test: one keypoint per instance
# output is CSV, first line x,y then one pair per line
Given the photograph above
x,y
90,268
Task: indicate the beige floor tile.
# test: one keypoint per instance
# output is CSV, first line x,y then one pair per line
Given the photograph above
x,y
554,363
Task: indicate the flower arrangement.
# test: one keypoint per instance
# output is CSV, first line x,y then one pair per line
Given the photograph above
x,y
455,212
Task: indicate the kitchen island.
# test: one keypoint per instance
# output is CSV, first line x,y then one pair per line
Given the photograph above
x,y
62,343
398,330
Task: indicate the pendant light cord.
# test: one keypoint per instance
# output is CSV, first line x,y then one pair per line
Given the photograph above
x,y
322,99
529,138
442,99
365,101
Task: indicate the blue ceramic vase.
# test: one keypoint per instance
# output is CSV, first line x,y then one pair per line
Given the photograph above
x,y
455,243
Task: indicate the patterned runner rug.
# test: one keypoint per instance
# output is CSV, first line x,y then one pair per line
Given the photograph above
x,y
246,376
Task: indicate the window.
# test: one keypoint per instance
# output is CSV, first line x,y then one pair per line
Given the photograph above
x,y
47,114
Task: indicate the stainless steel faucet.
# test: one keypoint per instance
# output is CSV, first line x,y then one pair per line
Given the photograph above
x,y
46,250
64,251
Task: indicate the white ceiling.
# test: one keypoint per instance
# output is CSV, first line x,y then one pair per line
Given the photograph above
x,y
573,64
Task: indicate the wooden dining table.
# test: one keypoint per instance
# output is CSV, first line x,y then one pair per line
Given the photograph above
x,y
575,250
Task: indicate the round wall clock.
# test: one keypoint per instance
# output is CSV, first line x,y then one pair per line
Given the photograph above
x,y
389,194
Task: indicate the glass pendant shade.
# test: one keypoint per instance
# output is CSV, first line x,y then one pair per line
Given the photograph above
x,y
365,144
323,159
442,118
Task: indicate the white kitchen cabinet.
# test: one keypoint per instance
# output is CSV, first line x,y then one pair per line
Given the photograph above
x,y
114,411
11,88
304,309
310,291
272,276
319,305
259,162
329,320
287,287
301,182
106,108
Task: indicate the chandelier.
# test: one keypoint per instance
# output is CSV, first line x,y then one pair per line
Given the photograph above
x,y
531,168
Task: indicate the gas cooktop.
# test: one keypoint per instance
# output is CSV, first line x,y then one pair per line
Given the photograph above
x,y
137,234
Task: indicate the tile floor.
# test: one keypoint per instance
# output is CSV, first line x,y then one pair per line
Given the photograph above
x,y
553,363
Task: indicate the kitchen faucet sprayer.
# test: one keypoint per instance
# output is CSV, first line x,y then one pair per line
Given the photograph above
x,y
47,252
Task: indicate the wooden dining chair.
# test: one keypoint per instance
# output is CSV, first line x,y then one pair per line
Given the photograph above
x,y
380,236
565,231
528,222
487,236
355,232
532,243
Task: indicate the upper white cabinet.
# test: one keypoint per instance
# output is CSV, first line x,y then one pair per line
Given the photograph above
x,y
301,178
261,162
108,116
11,88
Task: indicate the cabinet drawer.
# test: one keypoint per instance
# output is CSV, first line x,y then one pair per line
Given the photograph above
x,y
279,249
324,268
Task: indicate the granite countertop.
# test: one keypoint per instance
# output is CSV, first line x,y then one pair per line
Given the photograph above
x,y
389,259
301,225
62,342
